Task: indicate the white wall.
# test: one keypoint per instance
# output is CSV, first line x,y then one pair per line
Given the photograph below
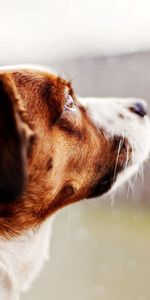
x,y
48,30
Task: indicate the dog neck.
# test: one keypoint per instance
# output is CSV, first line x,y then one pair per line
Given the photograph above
x,y
22,258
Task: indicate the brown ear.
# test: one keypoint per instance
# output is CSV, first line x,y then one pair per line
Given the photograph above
x,y
14,138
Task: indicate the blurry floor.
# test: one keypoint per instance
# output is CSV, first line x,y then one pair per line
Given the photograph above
x,y
97,254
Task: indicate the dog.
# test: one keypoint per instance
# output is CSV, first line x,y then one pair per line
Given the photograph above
x,y
56,149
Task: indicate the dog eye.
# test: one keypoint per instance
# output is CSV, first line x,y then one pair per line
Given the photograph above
x,y
69,103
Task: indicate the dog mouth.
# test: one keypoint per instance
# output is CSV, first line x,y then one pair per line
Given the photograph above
x,y
119,161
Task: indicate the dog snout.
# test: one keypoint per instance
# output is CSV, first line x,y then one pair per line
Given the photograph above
x,y
139,108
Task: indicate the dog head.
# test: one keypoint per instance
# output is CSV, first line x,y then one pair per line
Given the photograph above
x,y
56,149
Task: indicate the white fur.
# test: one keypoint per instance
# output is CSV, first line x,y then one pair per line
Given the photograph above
x,y
21,258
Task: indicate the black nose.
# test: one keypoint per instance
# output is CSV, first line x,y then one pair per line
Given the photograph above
x,y
139,108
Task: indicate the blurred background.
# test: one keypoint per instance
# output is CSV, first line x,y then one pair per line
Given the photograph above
x,y
100,248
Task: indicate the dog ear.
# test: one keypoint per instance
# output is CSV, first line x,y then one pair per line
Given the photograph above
x,y
14,142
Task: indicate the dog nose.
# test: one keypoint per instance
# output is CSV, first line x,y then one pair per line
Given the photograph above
x,y
139,108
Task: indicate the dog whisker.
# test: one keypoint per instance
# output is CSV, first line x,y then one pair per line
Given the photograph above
x,y
66,63
128,189
112,198
142,174
117,158
127,158
82,74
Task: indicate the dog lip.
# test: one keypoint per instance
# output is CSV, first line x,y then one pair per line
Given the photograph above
x,y
122,161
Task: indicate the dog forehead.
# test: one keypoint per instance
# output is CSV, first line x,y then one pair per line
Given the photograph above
x,y
27,67
34,75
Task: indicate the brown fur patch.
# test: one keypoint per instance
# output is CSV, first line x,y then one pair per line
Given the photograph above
x,y
80,159
70,129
